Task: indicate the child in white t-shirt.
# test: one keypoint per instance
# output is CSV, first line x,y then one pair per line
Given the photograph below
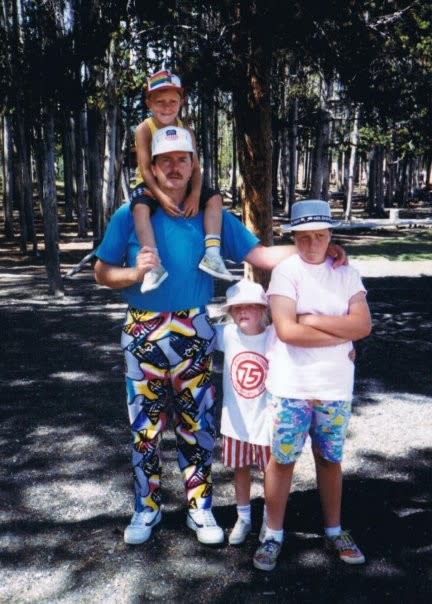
x,y
244,423
317,312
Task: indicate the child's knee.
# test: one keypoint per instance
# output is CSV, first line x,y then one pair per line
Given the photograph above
x,y
214,202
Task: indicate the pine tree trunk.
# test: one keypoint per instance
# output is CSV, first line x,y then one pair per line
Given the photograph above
x,y
68,148
81,207
353,151
49,207
8,178
233,183
276,151
207,138
215,141
293,142
284,169
108,187
252,56
320,155
95,154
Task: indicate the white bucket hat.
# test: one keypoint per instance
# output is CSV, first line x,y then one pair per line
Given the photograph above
x,y
310,215
245,292
172,138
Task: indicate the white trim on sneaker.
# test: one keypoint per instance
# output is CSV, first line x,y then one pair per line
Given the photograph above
x,y
205,526
240,532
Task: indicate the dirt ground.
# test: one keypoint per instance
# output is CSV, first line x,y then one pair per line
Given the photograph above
x,y
66,487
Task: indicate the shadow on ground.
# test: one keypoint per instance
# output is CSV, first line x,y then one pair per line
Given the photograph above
x,y
66,483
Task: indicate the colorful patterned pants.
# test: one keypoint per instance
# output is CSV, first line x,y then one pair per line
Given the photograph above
x,y
169,359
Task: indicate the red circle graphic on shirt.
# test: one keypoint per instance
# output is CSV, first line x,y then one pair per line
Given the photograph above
x,y
248,373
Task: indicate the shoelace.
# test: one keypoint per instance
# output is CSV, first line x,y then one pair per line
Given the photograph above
x,y
270,545
204,517
345,541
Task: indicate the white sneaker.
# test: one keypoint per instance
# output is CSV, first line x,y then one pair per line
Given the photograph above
x,y
205,526
153,278
141,525
215,266
240,532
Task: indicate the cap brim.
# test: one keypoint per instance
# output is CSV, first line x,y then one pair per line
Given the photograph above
x,y
178,89
226,306
310,226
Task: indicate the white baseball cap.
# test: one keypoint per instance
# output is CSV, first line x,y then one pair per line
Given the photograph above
x,y
310,215
172,138
245,292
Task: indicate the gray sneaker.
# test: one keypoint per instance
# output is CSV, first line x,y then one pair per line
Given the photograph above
x,y
266,555
141,526
153,278
345,547
240,532
215,266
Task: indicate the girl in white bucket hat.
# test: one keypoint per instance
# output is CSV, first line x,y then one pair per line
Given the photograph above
x,y
317,312
244,424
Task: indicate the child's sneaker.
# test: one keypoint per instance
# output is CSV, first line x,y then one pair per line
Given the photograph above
x,y
240,532
205,526
266,555
215,266
153,278
346,548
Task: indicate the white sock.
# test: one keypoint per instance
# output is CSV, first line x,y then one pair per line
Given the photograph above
x,y
274,535
212,245
333,531
244,512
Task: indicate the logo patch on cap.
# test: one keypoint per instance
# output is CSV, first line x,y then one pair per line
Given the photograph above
x,y
171,134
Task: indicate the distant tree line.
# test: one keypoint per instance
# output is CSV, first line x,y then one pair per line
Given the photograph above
x,y
290,95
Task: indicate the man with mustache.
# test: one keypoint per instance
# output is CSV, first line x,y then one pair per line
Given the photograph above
x,y
168,339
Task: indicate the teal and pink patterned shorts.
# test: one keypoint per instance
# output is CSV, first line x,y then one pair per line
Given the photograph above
x,y
326,422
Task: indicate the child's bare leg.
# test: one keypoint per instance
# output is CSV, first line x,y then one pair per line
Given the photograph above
x,y
242,484
144,230
277,487
213,216
329,481
143,225
212,261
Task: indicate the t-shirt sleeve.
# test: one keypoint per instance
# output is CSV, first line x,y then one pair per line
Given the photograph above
x,y
355,283
113,246
282,281
237,240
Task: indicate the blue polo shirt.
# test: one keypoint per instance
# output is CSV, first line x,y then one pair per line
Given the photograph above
x,y
180,243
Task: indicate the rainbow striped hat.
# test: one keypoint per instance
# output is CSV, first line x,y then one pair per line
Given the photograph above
x,y
163,79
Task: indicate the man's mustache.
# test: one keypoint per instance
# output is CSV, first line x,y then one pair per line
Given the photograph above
x,y
174,175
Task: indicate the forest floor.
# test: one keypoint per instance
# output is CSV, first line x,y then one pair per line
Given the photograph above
x,y
66,487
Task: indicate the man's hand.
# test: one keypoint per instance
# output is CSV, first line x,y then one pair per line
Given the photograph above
x,y
338,254
191,205
147,258
169,206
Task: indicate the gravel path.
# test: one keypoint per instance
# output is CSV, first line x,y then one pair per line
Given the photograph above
x,y
66,484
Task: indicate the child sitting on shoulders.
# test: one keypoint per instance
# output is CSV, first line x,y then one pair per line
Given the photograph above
x,y
164,98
